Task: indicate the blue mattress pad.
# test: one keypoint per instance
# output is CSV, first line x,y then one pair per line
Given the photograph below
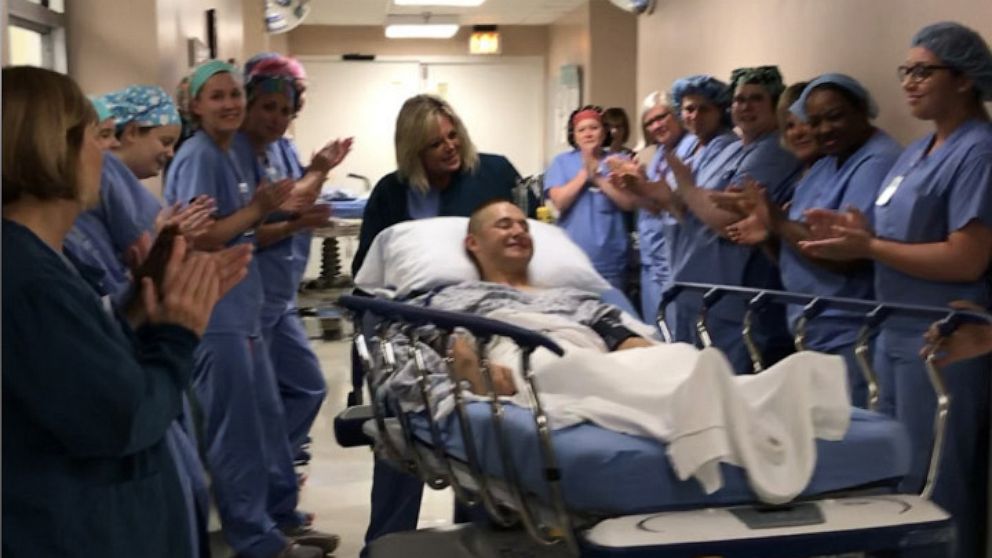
x,y
607,473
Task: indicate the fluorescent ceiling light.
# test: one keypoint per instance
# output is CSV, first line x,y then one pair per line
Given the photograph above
x,y
421,27
461,3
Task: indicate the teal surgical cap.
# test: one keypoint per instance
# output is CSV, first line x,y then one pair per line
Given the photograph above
x,y
207,70
101,108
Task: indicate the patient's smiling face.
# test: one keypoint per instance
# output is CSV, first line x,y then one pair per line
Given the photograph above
x,y
499,239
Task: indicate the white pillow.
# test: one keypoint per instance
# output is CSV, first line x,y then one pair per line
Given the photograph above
x,y
417,256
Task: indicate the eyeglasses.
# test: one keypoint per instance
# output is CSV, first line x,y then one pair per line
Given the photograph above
x,y
919,72
658,118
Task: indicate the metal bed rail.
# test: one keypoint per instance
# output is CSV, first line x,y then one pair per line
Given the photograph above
x,y
874,315
412,319
435,468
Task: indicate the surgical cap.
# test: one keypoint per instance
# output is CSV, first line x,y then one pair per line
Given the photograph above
x,y
277,65
254,60
261,84
273,73
145,105
961,48
712,89
767,76
207,70
842,81
101,108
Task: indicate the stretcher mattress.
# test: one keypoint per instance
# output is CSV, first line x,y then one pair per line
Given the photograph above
x,y
608,473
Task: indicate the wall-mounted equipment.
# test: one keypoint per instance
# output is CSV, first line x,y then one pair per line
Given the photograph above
x,y
282,16
636,7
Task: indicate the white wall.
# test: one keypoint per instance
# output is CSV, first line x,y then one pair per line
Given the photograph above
x,y
864,38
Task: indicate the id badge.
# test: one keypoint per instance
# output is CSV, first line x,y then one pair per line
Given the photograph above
x,y
886,196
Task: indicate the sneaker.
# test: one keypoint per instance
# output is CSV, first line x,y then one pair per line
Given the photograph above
x,y
294,550
308,536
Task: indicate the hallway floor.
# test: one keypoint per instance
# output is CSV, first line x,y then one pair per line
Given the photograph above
x,y
340,479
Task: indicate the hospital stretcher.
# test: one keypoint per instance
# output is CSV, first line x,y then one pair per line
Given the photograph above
x,y
588,491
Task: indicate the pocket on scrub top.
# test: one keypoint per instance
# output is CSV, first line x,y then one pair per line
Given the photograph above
x,y
920,218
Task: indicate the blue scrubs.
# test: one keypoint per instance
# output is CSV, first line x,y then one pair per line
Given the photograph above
x,y
829,186
656,254
297,369
99,238
593,221
924,198
302,239
247,447
700,255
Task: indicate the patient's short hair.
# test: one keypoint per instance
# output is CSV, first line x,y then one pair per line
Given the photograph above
x,y
475,219
45,116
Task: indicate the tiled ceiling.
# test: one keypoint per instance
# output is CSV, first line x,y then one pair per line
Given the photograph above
x,y
496,12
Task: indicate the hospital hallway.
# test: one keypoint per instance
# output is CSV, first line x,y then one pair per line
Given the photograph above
x,y
340,479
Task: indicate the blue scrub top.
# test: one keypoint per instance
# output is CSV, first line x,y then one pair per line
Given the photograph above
x,y
278,263
126,205
827,186
101,236
302,239
651,227
201,167
936,194
593,221
700,254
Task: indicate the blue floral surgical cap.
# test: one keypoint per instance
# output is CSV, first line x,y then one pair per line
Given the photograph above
x,y
145,105
962,49
712,89
839,80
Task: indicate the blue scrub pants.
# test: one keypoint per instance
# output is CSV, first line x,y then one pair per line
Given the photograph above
x,y
617,280
826,335
961,487
654,282
297,370
724,333
247,447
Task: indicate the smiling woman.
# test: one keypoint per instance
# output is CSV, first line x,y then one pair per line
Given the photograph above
x,y
439,173
591,208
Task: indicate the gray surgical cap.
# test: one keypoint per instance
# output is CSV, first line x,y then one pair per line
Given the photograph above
x,y
962,49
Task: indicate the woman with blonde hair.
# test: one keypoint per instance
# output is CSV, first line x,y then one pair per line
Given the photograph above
x,y
87,397
438,172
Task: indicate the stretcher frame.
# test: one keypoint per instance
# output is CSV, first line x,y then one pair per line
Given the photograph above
x,y
557,531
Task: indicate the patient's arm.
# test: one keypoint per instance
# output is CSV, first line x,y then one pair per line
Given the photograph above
x,y
465,365
616,336
633,343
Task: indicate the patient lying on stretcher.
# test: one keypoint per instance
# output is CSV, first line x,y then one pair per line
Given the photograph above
x,y
500,245
612,375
